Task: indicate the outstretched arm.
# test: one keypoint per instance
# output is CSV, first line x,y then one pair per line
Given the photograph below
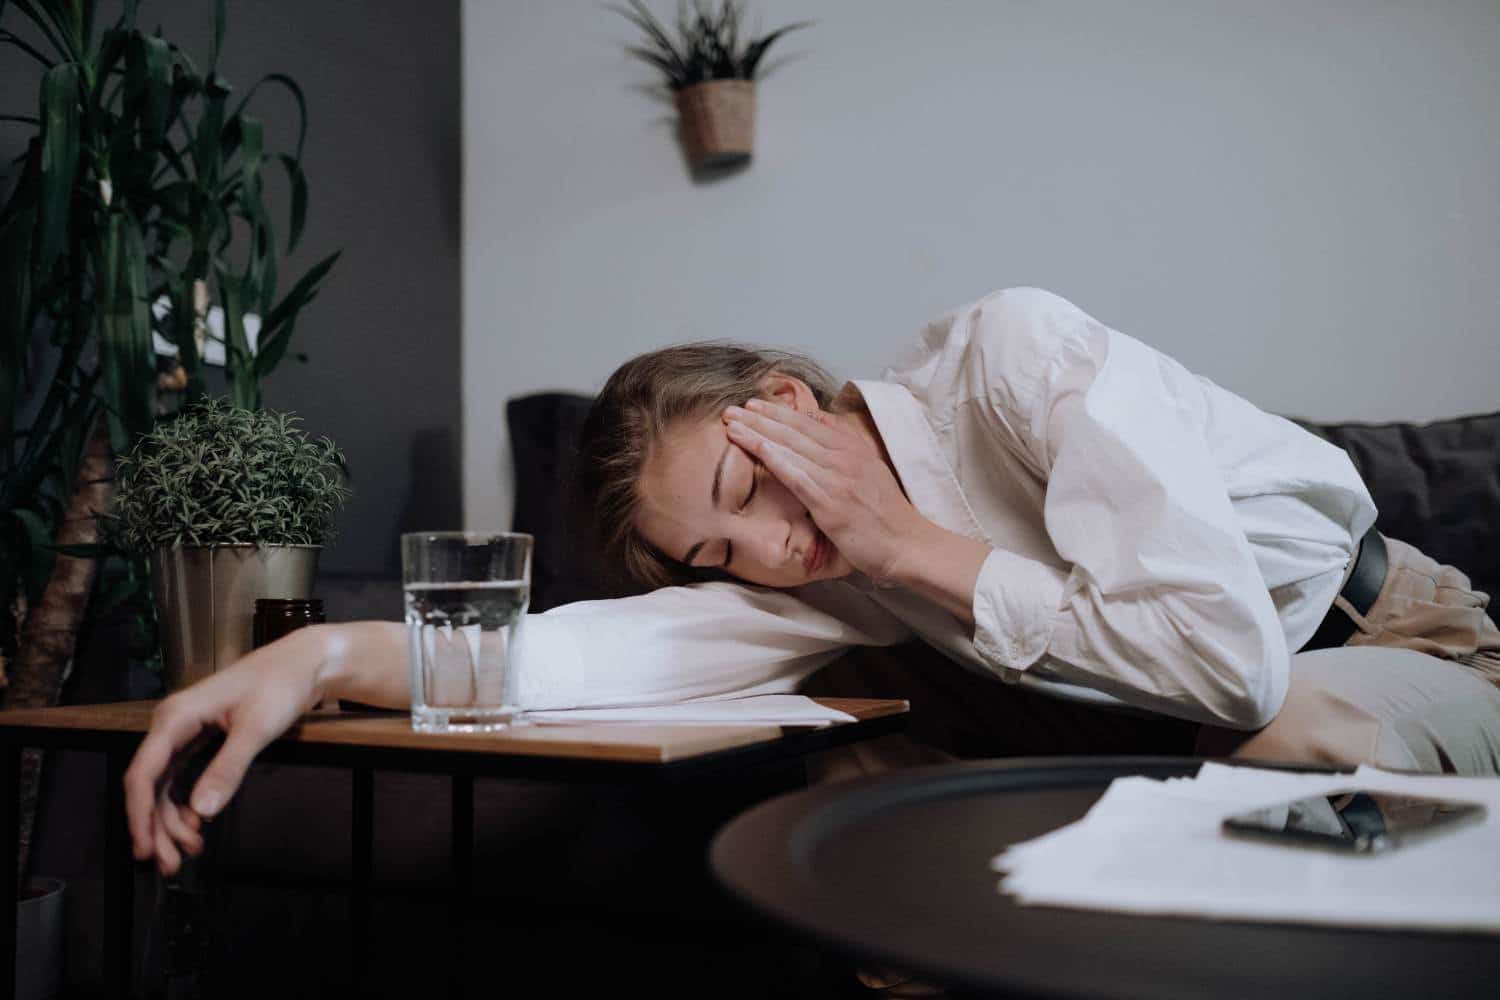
x,y
675,644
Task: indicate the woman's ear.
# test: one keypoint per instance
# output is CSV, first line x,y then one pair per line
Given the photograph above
x,y
789,391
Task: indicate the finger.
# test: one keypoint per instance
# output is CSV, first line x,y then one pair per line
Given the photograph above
x,y
809,422
222,778
171,729
790,433
788,427
168,860
794,471
177,826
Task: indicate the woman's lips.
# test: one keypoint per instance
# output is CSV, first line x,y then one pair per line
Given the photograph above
x,y
817,554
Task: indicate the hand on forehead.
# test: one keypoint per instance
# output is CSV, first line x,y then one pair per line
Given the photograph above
x,y
678,478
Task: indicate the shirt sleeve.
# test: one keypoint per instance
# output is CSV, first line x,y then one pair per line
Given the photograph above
x,y
709,640
1164,606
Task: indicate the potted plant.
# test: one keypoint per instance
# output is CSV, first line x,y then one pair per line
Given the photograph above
x,y
231,505
712,75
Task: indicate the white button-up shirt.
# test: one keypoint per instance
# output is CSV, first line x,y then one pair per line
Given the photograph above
x,y
1157,541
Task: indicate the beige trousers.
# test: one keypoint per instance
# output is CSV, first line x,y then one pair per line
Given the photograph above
x,y
1417,688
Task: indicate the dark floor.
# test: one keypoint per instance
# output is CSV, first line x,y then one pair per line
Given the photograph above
x,y
297,945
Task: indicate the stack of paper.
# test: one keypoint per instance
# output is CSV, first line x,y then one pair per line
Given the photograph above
x,y
1153,846
754,710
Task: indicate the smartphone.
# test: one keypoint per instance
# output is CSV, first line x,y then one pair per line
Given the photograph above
x,y
1355,820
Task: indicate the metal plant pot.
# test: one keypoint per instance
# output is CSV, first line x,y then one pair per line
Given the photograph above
x,y
205,600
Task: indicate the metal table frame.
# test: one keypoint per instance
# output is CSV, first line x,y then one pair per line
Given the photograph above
x,y
463,766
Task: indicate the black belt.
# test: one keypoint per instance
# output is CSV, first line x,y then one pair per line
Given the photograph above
x,y
1360,590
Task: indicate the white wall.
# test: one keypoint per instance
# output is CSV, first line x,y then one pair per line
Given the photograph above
x,y
1295,198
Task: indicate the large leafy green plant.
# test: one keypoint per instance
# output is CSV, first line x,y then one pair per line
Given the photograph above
x,y
142,182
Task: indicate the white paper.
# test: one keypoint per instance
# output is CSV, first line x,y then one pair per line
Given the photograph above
x,y
757,710
1152,846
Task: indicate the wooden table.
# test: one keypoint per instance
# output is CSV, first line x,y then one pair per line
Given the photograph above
x,y
365,741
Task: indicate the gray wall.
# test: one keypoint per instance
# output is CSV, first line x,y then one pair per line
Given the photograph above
x,y
1297,199
382,86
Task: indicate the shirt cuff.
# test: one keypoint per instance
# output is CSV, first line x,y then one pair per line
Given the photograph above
x,y
1015,606
548,671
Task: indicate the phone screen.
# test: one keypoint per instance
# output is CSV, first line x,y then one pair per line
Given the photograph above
x,y
1355,820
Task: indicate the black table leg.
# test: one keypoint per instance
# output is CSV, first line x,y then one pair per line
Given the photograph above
x,y
10,857
119,879
461,831
361,850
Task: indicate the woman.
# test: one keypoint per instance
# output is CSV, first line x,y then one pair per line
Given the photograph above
x,y
1052,505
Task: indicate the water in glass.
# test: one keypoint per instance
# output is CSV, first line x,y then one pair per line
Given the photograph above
x,y
462,636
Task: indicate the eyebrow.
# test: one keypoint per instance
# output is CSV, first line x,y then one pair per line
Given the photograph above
x,y
718,479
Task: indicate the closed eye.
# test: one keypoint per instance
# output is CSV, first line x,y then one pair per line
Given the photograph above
x,y
754,485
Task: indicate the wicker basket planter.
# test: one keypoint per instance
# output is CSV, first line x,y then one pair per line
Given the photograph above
x,y
718,122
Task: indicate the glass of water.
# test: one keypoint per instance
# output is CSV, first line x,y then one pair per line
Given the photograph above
x,y
466,598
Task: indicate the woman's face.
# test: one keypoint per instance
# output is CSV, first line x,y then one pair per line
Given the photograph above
x,y
706,502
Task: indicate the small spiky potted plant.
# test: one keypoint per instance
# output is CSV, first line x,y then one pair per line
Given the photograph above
x,y
232,505
711,74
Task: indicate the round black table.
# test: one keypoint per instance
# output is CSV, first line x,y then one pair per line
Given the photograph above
x,y
894,869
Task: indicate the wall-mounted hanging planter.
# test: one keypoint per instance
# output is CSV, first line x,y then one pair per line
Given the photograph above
x,y
718,122
712,75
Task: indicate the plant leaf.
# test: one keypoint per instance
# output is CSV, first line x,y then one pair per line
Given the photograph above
x,y
661,62
59,162
37,535
123,591
244,390
259,286
299,200
643,19
757,50
111,48
125,339
16,226
208,143
10,38
291,86
218,44
153,60
277,327
44,20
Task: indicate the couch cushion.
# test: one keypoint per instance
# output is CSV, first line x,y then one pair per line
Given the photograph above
x,y
1436,485
544,431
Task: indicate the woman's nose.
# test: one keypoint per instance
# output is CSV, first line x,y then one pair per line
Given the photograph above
x,y
775,545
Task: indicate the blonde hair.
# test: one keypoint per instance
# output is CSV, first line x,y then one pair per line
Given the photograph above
x,y
642,400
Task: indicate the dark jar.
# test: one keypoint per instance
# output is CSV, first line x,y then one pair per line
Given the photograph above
x,y
276,616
